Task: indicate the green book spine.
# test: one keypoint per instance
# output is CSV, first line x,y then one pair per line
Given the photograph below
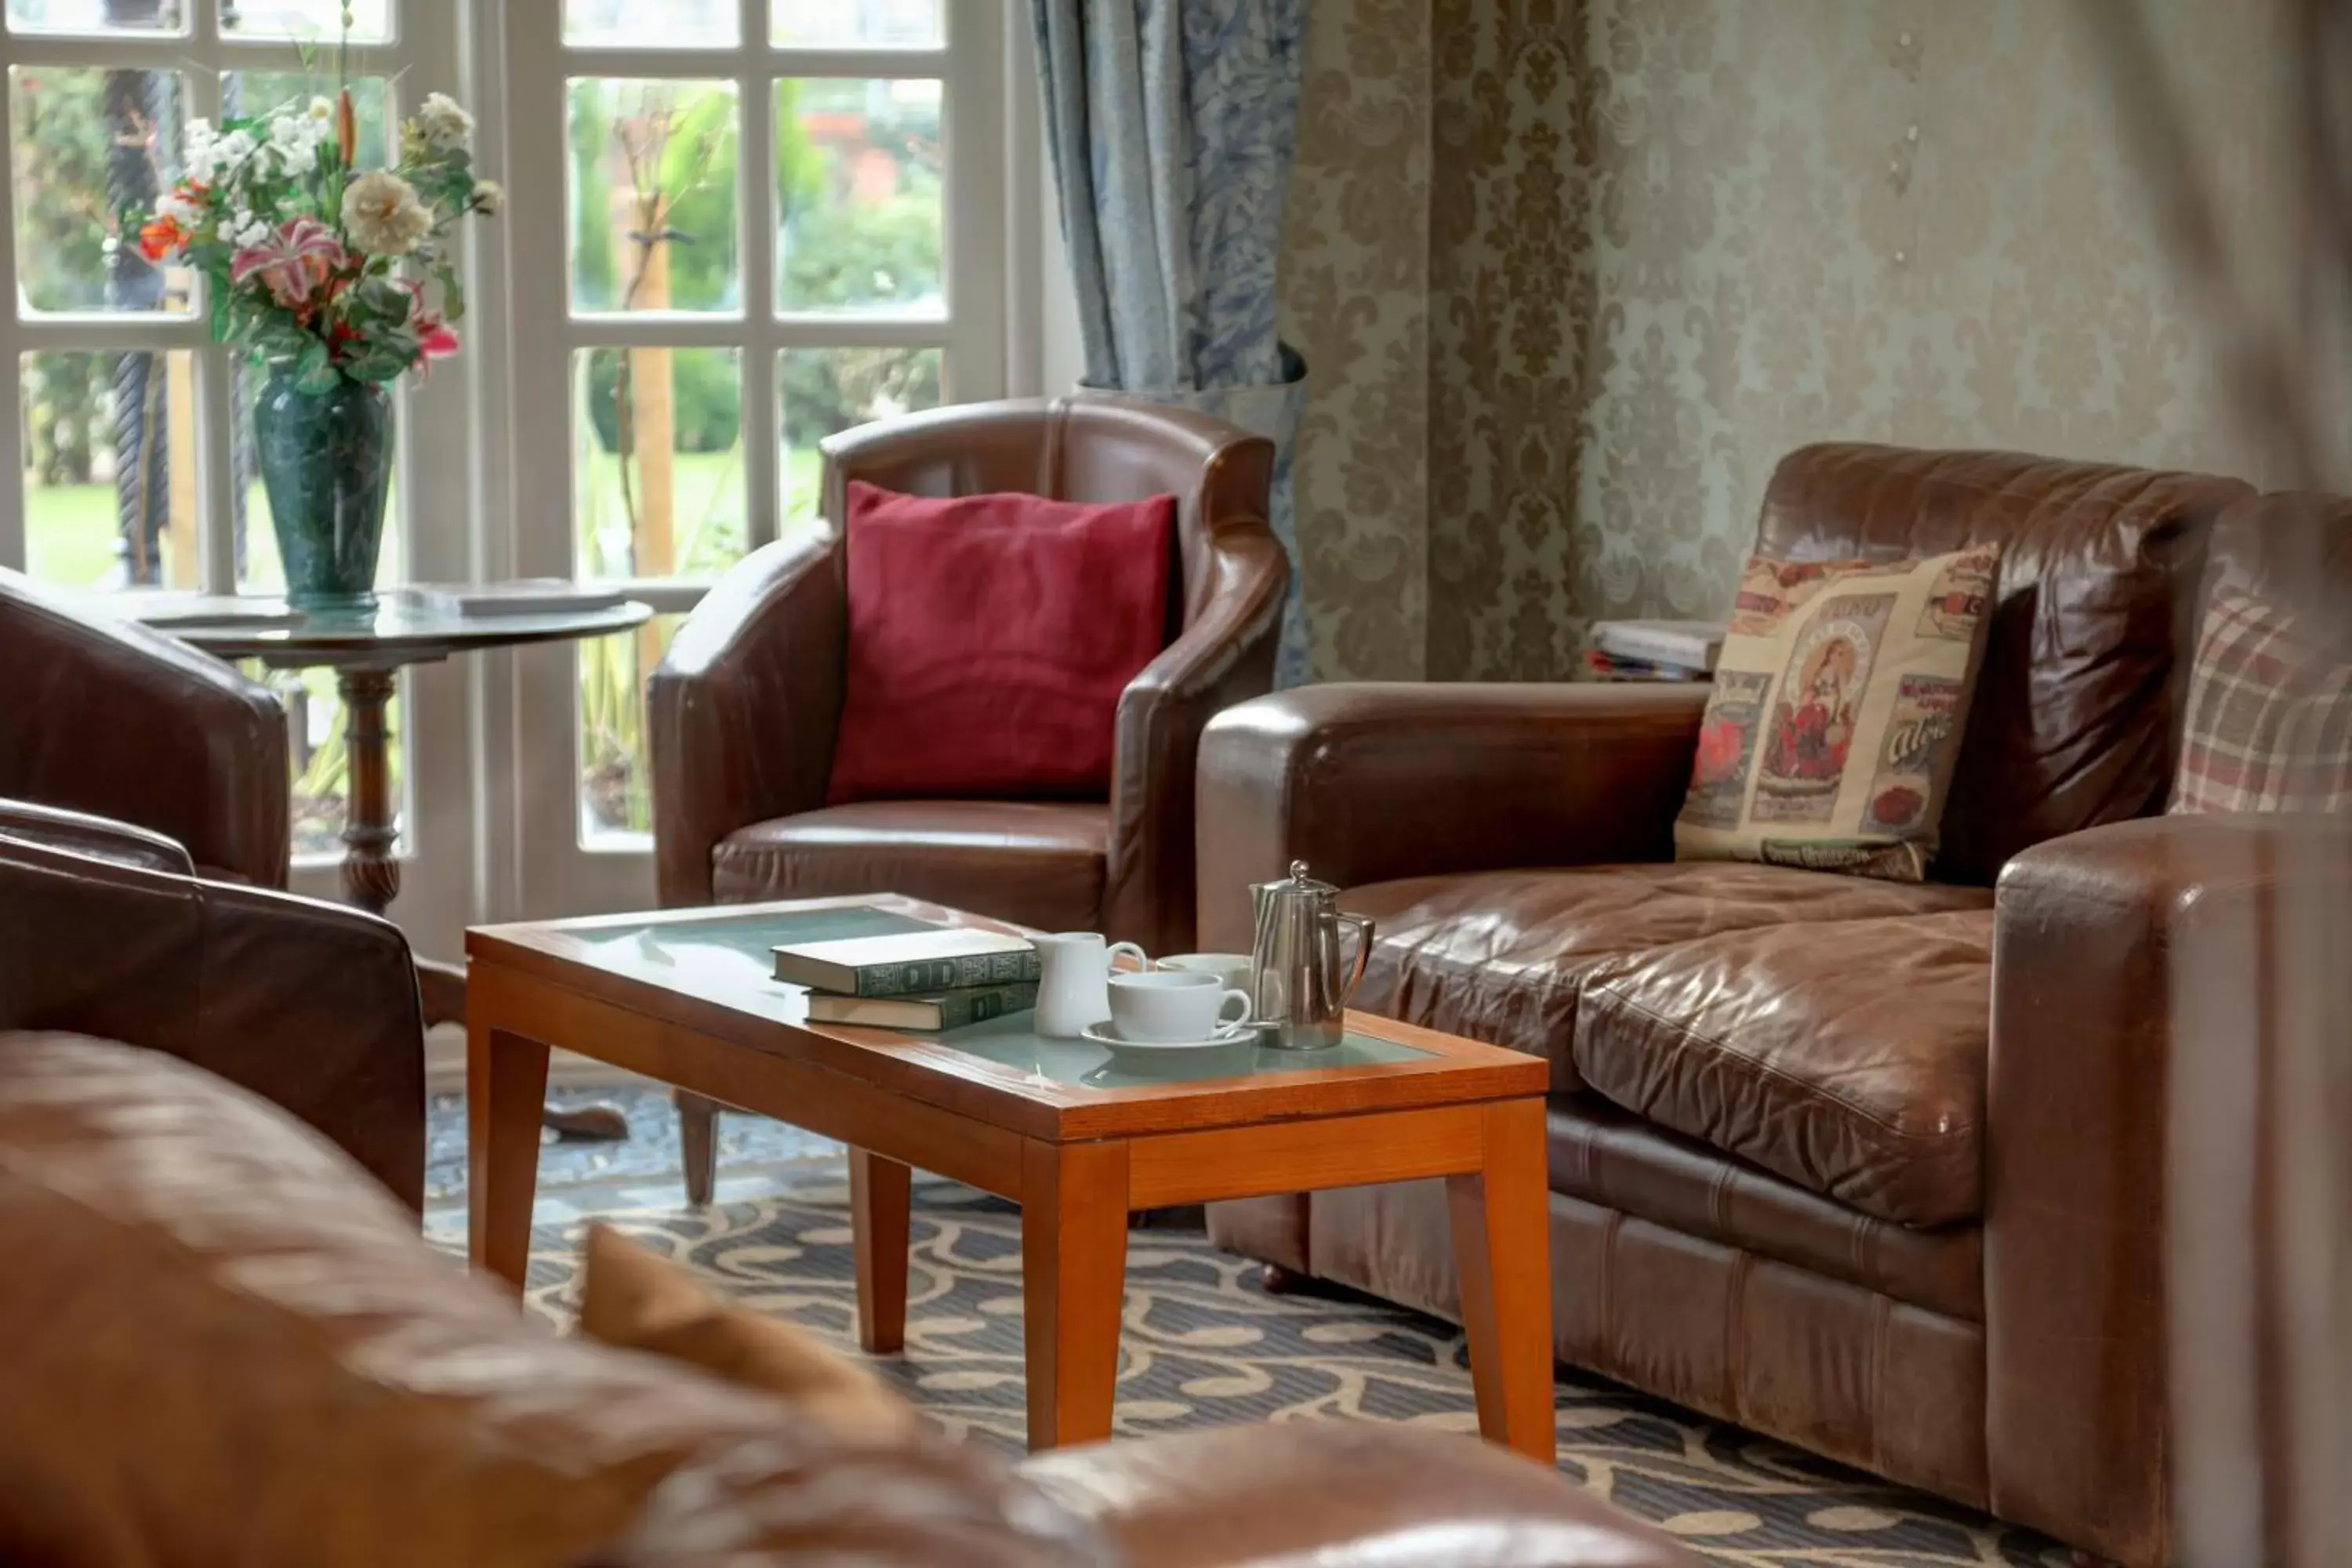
x,y
982,1002
916,976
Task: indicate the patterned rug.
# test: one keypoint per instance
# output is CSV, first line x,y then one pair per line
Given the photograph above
x,y
1204,1346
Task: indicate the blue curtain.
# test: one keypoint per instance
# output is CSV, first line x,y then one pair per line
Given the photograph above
x,y
1174,124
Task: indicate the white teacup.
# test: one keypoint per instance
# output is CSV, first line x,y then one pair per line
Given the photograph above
x,y
1232,969
1169,1006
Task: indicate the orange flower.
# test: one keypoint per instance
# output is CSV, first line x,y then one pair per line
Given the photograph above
x,y
160,239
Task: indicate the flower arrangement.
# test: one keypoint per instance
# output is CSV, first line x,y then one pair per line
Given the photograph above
x,y
321,268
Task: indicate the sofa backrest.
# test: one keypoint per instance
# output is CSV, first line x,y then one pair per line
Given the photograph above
x,y
2075,719
227,1344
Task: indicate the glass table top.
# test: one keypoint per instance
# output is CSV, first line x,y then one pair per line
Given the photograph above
x,y
728,959
401,621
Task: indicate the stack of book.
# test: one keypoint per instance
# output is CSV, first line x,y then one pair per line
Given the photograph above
x,y
942,978
1655,650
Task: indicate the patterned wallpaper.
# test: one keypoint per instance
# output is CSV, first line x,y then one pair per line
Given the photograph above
x,y
1572,274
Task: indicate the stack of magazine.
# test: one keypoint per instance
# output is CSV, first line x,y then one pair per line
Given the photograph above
x,y
942,978
1655,650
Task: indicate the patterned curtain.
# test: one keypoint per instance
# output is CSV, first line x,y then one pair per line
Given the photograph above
x,y
1174,124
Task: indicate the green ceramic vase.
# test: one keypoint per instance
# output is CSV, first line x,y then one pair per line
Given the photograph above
x,y
326,463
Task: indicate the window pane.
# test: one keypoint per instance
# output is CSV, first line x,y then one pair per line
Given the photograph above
x,y
634,24
312,21
857,174
654,223
111,469
255,93
837,23
821,391
103,16
657,465
321,766
615,774
90,145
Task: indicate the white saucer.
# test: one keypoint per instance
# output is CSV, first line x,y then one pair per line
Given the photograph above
x,y
1104,1036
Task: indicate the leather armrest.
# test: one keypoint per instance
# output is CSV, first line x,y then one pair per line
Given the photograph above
x,y
101,836
2109,948
1340,1492
104,716
312,1005
1225,657
745,710
1370,781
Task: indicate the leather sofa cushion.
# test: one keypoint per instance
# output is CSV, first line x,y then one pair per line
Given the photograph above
x,y
1503,956
1851,1061
2076,704
225,1343
1035,863
1603,1154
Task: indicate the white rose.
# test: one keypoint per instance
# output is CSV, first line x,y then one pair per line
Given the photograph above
x,y
382,216
322,109
489,197
443,125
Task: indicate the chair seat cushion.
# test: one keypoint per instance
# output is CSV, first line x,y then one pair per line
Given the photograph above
x,y
1503,956
1035,863
989,639
1849,1060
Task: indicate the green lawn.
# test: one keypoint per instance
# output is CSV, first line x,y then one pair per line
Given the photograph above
x,y
70,529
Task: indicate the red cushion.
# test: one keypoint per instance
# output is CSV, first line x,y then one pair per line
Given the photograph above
x,y
989,638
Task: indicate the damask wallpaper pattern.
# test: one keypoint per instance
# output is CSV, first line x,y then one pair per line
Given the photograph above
x,y
1572,276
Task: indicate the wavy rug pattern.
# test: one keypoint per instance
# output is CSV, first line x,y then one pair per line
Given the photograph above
x,y
1204,1346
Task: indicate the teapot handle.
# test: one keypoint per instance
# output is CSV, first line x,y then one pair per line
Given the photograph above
x,y
1364,928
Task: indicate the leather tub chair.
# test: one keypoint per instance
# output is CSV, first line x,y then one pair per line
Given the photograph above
x,y
745,706
106,929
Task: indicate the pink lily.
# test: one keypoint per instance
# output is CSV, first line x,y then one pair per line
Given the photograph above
x,y
436,338
292,263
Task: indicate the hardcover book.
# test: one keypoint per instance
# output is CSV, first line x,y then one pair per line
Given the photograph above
x,y
908,963
1692,645
939,1010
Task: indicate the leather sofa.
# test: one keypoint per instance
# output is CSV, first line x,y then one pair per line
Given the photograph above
x,y
228,1345
1874,1168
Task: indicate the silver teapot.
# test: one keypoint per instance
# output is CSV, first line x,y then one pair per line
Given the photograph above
x,y
1296,995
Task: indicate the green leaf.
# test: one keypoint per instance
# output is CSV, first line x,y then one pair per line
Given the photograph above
x,y
314,372
453,292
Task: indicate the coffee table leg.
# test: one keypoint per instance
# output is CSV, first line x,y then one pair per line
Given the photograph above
x,y
1502,1244
1074,1284
881,1193
506,1088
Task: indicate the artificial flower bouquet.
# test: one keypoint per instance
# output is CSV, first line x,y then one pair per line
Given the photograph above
x,y
323,268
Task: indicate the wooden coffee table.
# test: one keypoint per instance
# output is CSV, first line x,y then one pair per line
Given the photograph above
x,y
1079,1142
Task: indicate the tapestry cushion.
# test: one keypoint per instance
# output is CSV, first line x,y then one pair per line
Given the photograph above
x,y
989,639
2270,712
632,1299
1838,703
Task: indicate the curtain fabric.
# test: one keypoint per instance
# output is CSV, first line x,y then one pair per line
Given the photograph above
x,y
1174,124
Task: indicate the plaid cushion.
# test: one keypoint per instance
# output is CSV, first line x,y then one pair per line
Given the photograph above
x,y
2269,715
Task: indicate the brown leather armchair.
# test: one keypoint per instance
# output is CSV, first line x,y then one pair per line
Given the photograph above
x,y
1876,1168
105,717
105,929
745,706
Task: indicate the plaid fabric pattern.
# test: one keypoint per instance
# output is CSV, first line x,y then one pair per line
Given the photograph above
x,y
2269,715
